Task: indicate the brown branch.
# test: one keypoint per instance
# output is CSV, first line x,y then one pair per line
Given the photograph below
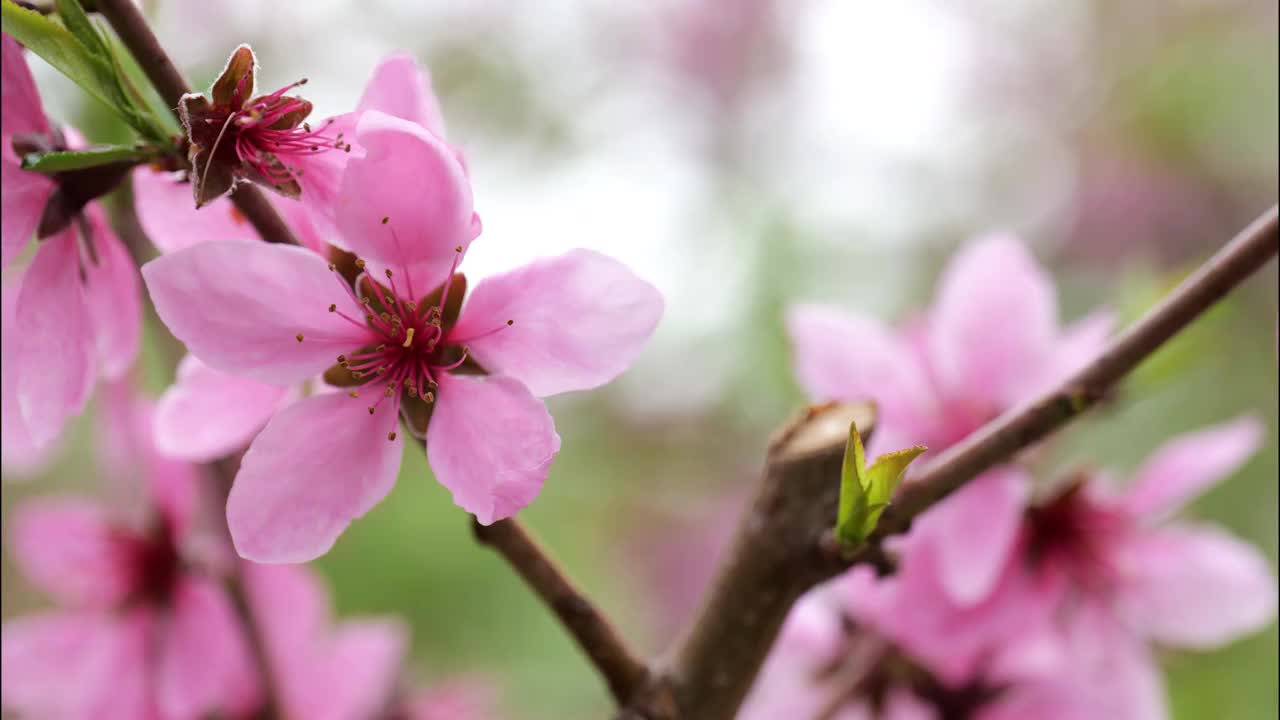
x,y
776,558
127,20
593,632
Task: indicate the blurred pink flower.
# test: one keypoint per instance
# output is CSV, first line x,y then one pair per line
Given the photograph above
x,y
77,315
281,315
143,627
321,670
990,342
1076,587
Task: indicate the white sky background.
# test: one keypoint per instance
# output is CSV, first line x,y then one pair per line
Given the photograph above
x,y
875,102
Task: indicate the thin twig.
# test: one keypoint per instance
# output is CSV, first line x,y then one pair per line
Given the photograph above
x,y
593,632
127,20
718,659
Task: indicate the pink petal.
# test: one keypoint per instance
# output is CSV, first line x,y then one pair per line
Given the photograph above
x,y
172,221
362,668
20,111
205,663
993,322
974,531
291,606
902,704
1077,346
842,356
411,177
399,87
113,296
240,306
1190,464
207,414
69,549
491,442
21,205
61,664
1197,587
18,453
319,464
580,320
55,340
455,699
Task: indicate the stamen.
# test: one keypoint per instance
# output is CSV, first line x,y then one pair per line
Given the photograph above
x,y
299,336
408,338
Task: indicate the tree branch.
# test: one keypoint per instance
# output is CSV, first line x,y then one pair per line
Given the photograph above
x,y
127,20
785,545
593,632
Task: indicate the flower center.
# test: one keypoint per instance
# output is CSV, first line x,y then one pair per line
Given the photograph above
x,y
1073,534
413,345
268,128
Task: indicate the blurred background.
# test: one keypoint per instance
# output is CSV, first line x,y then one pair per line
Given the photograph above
x,y
745,154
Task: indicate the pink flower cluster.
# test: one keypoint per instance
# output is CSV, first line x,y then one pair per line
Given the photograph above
x,y
1009,600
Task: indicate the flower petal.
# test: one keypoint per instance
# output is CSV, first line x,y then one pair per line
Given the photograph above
x,y
55,340
205,663
172,221
399,87
21,111
113,296
993,322
240,306
411,177
843,356
69,549
207,414
362,668
319,464
290,605
21,205
973,532
38,653
580,320
491,442
18,453
1169,571
1190,464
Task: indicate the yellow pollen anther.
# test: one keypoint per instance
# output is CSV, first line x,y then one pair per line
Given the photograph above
x,y
334,308
429,397
408,337
360,263
299,336
458,249
354,393
391,435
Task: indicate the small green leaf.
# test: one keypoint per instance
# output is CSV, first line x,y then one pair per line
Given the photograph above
x,y
866,492
883,478
77,22
853,490
47,38
64,160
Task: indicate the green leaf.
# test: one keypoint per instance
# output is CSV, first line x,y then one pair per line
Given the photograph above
x,y
883,478
853,490
62,161
77,49
49,39
865,492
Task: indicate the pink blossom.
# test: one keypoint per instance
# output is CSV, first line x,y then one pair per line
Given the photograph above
x,y
321,670
142,627
282,315
990,341
1075,588
77,315
461,698
398,87
233,408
